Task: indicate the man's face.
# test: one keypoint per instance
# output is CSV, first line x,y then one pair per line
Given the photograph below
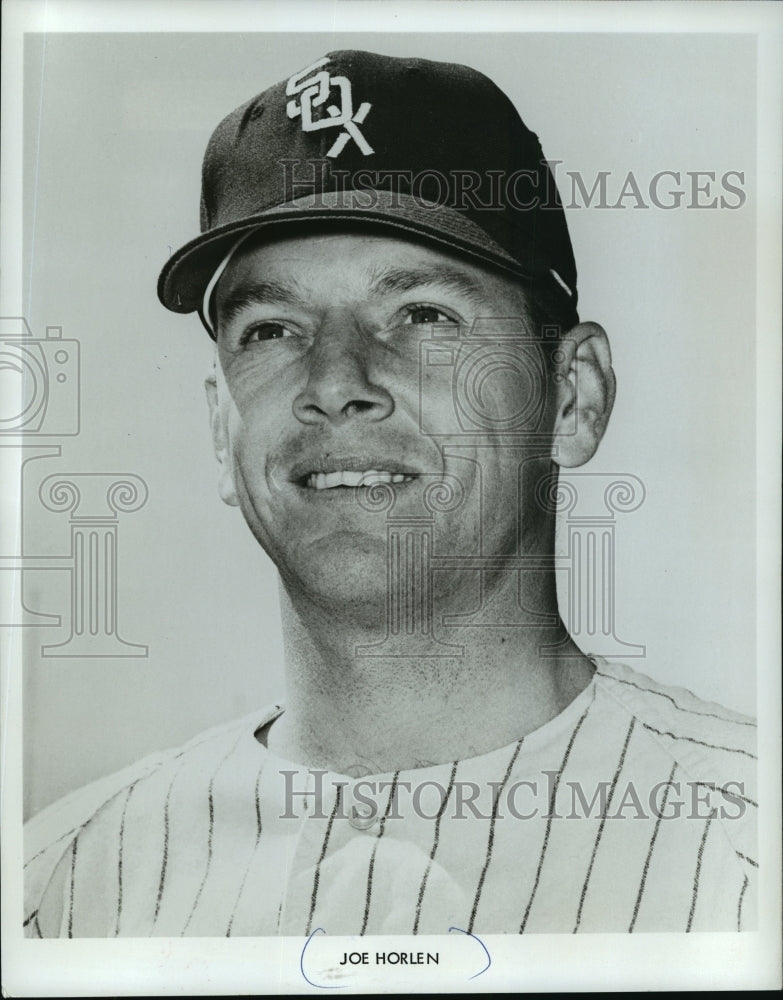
x,y
322,391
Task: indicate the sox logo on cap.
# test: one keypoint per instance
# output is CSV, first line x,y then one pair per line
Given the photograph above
x,y
313,91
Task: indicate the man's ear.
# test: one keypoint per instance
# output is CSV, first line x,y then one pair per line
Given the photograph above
x,y
585,395
226,487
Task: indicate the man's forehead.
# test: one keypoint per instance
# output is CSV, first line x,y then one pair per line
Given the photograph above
x,y
376,265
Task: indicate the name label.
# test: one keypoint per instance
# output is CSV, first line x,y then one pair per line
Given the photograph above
x,y
390,958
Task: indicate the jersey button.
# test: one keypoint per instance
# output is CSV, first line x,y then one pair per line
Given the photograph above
x,y
363,819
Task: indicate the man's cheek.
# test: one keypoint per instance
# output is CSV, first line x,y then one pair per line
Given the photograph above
x,y
248,454
247,446
436,405
255,501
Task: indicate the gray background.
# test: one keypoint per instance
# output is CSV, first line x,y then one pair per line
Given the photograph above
x,y
115,130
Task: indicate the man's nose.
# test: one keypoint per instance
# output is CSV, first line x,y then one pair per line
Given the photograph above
x,y
339,386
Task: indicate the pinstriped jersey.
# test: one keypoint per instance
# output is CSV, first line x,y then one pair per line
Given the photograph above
x,y
633,810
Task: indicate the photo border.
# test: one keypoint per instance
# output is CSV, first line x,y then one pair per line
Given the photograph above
x,y
590,962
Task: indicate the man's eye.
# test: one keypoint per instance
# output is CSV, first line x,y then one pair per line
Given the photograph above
x,y
427,314
265,331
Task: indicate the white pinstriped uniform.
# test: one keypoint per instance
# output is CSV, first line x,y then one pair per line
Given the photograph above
x,y
195,840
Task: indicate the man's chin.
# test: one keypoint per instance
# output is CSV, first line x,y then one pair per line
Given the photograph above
x,y
345,569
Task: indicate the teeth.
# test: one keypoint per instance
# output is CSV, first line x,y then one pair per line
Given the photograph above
x,y
374,476
345,477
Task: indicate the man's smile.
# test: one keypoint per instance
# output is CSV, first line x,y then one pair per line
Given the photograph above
x,y
349,477
345,477
351,471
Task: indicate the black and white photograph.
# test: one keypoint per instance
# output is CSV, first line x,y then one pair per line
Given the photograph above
x,y
391,453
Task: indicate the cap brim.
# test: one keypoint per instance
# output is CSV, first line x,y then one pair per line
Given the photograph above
x,y
186,274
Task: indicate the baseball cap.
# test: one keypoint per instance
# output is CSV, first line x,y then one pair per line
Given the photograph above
x,y
431,150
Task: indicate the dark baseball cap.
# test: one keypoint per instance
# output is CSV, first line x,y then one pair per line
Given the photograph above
x,y
429,150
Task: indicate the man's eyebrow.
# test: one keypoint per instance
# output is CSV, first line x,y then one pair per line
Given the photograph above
x,y
257,293
383,281
401,279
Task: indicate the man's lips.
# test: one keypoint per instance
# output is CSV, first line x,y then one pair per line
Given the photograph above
x,y
347,477
334,471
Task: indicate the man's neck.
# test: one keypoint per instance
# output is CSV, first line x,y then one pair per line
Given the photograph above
x,y
354,713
